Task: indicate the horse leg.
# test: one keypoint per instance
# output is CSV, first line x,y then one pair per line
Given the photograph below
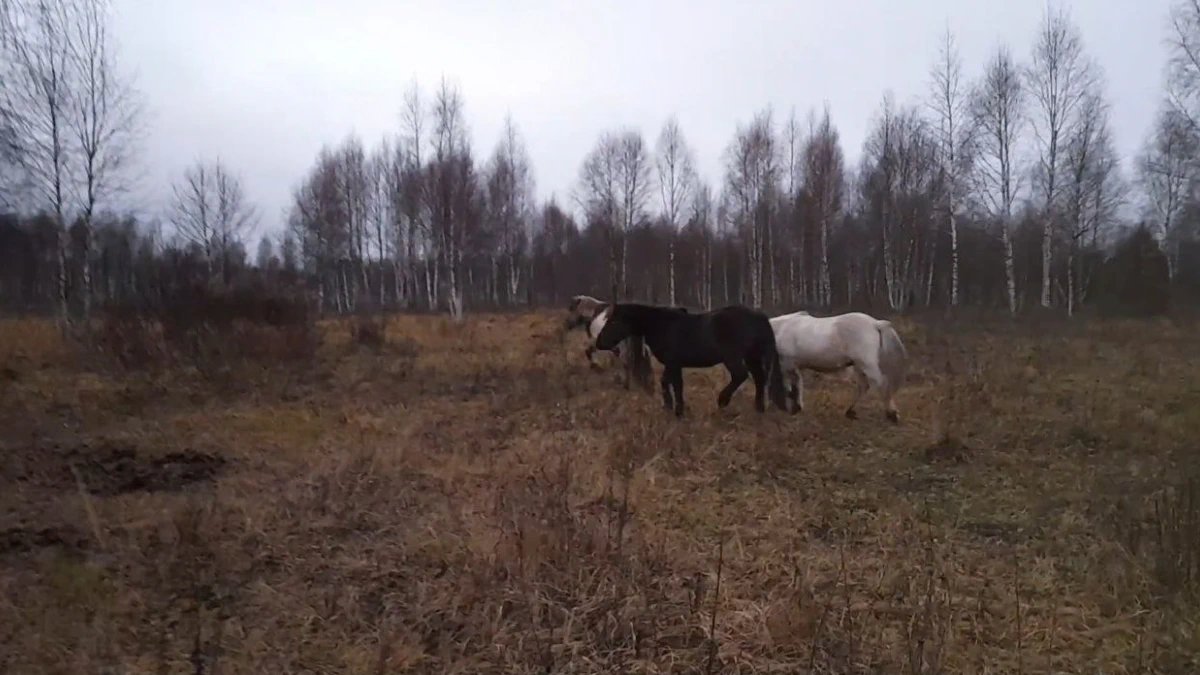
x,y
878,382
627,366
737,375
887,391
862,386
797,391
677,382
758,373
666,389
589,352
892,414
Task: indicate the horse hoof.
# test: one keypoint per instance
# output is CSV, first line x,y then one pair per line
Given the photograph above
x,y
795,409
851,414
893,417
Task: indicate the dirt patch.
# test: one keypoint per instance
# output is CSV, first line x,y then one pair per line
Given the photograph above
x,y
115,470
1008,533
24,540
107,468
949,450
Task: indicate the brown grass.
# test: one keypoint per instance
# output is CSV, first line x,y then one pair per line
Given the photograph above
x,y
471,498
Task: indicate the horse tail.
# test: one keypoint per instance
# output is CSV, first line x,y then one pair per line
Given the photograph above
x,y
774,369
639,364
893,356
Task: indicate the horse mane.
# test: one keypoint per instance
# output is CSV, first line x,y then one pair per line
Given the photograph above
x,y
585,304
636,312
638,315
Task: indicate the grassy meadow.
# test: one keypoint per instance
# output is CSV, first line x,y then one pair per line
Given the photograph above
x,y
469,498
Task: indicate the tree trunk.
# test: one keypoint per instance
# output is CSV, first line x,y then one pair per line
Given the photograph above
x,y
825,290
1071,278
953,259
1046,239
671,271
1009,274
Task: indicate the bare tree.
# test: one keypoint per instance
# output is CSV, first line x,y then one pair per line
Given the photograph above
x,y
633,192
1085,153
791,213
318,218
452,190
412,202
1183,64
1060,76
510,192
192,210
209,208
597,196
949,102
900,185
675,168
701,216
265,256
39,93
380,217
105,121
751,181
1166,173
998,111
824,184
10,139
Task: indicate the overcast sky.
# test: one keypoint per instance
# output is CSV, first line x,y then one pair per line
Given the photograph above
x,y
264,83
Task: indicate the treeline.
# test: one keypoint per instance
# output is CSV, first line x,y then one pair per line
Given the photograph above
x,y
999,190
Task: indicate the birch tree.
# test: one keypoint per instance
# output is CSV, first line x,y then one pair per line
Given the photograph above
x,y
411,197
824,172
510,188
40,91
999,115
701,216
752,174
1059,77
1183,62
210,209
452,191
597,196
900,187
1166,174
106,120
675,170
791,215
634,191
10,140
949,101
1084,154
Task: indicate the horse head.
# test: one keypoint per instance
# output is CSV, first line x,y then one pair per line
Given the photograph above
x,y
581,311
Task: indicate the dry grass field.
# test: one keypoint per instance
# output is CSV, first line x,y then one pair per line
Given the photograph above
x,y
472,498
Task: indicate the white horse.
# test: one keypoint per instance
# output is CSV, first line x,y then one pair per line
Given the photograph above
x,y
587,312
834,343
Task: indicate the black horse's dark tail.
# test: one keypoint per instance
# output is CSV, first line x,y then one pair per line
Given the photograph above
x,y
775,388
639,363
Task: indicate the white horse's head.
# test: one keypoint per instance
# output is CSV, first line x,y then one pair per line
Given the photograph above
x,y
582,310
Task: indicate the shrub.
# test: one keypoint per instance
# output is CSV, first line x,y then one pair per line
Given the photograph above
x,y
369,331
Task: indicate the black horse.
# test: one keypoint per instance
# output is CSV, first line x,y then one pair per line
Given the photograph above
x,y
737,336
